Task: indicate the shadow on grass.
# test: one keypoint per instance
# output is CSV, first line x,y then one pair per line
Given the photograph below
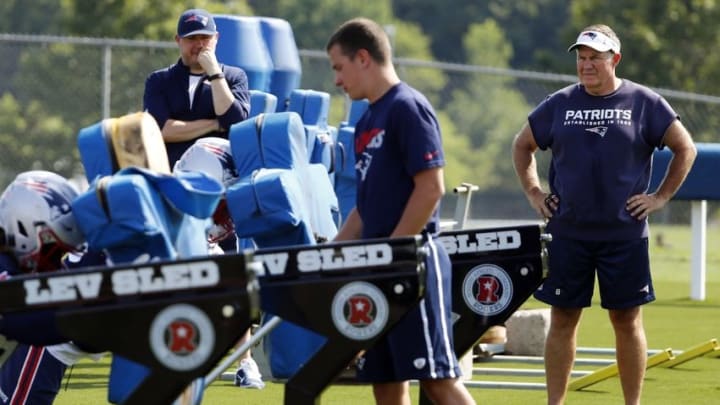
x,y
687,303
591,391
84,376
85,385
91,365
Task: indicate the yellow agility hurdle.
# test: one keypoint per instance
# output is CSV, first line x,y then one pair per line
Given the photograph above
x,y
714,353
612,370
693,352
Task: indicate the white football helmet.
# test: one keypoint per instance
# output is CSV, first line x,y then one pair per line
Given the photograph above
x,y
212,156
36,220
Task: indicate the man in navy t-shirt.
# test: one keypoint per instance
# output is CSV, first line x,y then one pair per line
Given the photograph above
x,y
399,161
602,133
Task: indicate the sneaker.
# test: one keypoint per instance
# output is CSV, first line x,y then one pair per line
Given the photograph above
x,y
248,375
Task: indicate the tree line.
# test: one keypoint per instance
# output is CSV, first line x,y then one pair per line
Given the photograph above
x,y
665,44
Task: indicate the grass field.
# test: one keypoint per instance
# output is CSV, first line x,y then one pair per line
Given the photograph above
x,y
673,321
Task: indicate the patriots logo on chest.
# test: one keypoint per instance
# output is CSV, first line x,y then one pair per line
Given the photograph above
x,y
366,141
371,139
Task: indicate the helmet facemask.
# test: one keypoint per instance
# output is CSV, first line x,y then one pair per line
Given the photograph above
x,y
223,225
49,252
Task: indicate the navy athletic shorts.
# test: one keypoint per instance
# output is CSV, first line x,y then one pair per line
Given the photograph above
x,y
420,345
623,273
31,376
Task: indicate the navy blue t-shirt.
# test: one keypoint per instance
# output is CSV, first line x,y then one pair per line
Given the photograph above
x,y
396,138
8,263
166,97
602,150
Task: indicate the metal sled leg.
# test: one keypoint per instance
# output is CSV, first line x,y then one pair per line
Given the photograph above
x,y
232,358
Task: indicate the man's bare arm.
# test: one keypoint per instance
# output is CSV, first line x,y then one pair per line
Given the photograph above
x,y
679,141
180,131
523,155
429,189
351,228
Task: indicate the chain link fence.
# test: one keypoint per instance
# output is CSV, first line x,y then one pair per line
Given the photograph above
x,y
54,86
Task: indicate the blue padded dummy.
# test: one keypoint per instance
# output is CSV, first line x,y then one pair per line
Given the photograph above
x,y
280,200
144,216
287,67
268,206
278,141
313,107
114,143
261,103
143,212
137,215
241,44
345,184
357,109
95,154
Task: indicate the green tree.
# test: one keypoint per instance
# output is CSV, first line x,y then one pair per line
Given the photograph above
x,y
136,19
444,23
48,107
666,44
534,28
313,21
20,19
410,42
37,18
488,109
460,157
32,138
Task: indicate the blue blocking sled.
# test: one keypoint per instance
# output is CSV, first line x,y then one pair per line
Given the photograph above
x,y
282,199
137,215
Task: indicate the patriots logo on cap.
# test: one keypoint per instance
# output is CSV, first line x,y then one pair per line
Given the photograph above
x,y
199,18
596,40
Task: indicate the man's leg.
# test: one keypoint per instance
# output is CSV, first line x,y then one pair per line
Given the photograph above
x,y
394,393
560,352
631,349
247,375
447,391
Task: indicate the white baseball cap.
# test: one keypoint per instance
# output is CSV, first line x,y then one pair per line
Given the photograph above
x,y
597,41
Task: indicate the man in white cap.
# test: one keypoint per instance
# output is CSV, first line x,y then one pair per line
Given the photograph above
x,y
602,133
197,97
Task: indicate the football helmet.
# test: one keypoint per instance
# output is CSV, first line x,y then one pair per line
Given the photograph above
x,y
212,156
36,220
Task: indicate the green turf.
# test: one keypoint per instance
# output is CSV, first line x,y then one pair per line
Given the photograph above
x,y
672,321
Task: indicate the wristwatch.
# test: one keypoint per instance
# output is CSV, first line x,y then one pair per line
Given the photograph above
x,y
216,76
